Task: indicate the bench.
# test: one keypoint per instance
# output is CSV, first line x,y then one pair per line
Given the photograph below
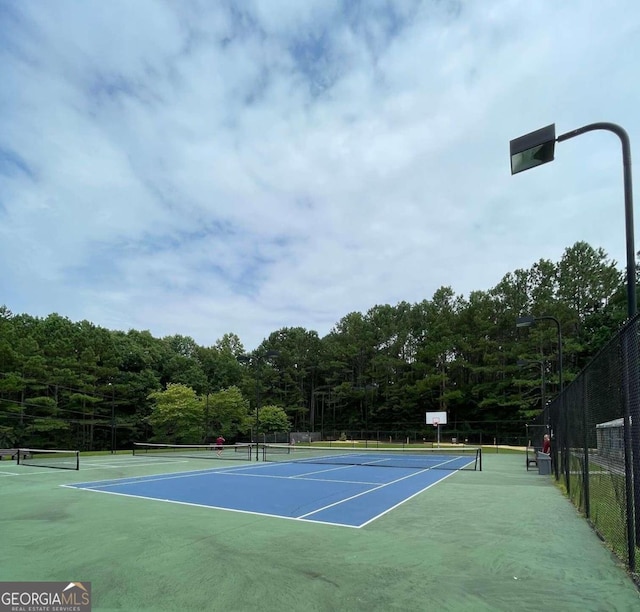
x,y
12,453
532,456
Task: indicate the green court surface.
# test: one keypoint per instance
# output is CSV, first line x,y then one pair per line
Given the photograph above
x,y
501,539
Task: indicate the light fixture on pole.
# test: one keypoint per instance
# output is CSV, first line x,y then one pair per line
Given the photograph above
x,y
538,147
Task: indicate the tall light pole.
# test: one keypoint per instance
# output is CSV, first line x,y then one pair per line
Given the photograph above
x,y
537,148
321,391
113,418
523,363
528,321
256,359
206,418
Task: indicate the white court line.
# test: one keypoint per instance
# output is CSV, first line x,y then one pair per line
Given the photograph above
x,y
28,471
302,477
379,462
49,471
113,464
406,500
382,463
181,503
382,486
235,470
151,478
319,471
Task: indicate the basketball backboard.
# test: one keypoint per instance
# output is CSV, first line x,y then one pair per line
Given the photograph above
x,y
440,417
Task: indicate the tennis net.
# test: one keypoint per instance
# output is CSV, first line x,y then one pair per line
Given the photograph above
x,y
239,452
455,458
60,459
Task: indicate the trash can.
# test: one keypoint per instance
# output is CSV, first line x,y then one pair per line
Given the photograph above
x,y
454,440
544,464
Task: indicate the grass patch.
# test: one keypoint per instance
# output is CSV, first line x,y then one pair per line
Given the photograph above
x,y
606,510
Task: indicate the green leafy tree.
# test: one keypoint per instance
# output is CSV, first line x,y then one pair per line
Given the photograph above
x,y
290,379
226,413
272,419
45,429
182,363
543,283
220,367
177,416
230,343
441,346
588,279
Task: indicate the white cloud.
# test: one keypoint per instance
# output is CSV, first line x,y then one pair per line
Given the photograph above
x,y
196,169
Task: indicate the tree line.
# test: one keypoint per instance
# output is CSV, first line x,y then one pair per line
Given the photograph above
x,y
65,383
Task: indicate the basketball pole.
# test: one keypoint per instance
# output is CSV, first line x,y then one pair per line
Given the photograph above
x,y
435,418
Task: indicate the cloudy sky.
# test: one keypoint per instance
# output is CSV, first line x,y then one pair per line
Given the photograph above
x,y
210,167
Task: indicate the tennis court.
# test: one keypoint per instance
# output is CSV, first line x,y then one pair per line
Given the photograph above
x,y
497,539
326,485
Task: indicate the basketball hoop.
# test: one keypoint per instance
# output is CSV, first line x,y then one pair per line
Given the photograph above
x,y
435,422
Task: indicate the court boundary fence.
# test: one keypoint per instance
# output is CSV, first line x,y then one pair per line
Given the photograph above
x,y
595,443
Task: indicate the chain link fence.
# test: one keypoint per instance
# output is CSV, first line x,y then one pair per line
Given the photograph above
x,y
499,433
595,429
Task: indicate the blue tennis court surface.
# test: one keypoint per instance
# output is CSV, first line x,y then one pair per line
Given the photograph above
x,y
344,495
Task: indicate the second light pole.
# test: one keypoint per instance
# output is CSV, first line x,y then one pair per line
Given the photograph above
x,y
528,321
256,359
523,363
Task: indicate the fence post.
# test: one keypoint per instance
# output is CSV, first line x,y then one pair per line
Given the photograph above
x,y
585,425
630,381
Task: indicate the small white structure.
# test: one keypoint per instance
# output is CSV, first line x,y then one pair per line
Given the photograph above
x,y
610,439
